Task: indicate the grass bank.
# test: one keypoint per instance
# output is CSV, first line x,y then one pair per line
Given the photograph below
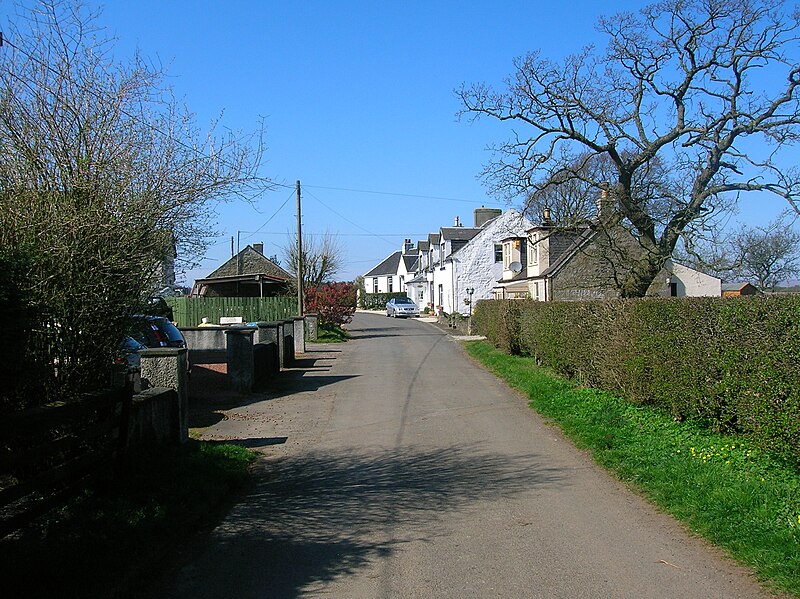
x,y
735,496
108,538
331,334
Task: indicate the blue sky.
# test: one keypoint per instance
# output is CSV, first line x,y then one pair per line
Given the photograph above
x,y
356,96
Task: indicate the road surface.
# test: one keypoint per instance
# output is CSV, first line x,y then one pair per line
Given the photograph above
x,y
396,467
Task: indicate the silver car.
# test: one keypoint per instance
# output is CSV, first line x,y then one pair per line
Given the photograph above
x,y
401,306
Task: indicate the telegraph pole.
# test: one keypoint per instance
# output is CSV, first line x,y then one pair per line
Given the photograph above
x,y
299,256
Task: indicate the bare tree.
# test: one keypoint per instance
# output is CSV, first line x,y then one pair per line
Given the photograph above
x,y
768,256
322,257
706,87
102,174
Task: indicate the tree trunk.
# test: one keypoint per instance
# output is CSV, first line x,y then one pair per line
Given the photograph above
x,y
638,280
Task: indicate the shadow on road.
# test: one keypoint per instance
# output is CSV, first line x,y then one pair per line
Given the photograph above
x,y
210,393
316,516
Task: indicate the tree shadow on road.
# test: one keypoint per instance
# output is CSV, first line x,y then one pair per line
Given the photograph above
x,y
311,518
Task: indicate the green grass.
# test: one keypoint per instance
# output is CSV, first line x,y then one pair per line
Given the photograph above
x,y
108,539
331,334
735,496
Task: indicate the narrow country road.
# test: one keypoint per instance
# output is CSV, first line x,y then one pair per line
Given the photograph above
x,y
395,467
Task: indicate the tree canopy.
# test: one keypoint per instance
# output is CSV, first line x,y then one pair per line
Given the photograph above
x,y
698,97
103,175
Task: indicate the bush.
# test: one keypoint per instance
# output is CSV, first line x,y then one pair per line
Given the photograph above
x,y
334,303
730,364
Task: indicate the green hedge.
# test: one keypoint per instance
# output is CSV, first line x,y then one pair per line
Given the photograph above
x,y
377,301
730,363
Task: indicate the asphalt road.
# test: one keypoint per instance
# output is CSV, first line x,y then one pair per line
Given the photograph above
x,y
396,467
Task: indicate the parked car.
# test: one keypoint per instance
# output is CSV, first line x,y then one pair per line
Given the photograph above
x,y
158,306
128,363
156,331
401,306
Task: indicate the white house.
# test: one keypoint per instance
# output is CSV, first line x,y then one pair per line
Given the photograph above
x,y
476,265
390,276
459,258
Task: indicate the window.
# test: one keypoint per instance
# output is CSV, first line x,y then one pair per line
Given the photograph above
x,y
536,291
389,283
375,285
402,280
498,252
533,253
506,254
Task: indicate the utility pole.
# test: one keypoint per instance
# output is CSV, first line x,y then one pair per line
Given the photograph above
x,y
299,256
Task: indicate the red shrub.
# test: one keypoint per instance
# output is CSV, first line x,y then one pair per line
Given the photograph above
x,y
335,303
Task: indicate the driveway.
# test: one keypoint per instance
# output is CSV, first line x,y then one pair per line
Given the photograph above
x,y
395,467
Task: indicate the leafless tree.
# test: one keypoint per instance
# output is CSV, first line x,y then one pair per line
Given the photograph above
x,y
763,255
322,258
708,88
767,256
102,175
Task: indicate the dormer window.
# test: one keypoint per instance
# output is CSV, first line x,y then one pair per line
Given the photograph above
x,y
533,252
507,255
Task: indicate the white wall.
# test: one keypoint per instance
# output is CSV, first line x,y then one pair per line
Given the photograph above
x,y
474,263
693,283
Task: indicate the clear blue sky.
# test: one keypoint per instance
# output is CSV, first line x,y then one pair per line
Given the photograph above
x,y
355,96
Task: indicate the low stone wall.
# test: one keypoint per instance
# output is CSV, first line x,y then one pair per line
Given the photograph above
x,y
167,367
204,338
154,418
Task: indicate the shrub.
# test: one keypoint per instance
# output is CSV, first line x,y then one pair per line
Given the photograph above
x,y
334,303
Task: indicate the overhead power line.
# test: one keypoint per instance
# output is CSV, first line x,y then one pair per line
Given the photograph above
x,y
403,195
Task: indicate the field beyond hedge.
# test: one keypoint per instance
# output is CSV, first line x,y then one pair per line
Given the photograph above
x,y
727,364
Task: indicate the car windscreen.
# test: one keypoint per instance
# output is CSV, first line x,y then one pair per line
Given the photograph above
x,y
403,300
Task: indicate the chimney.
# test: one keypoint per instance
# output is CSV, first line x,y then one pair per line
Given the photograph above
x,y
407,246
605,203
457,223
259,247
484,215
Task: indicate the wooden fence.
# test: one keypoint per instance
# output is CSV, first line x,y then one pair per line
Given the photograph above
x,y
189,311
49,453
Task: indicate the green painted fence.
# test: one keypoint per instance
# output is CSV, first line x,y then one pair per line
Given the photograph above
x,y
189,311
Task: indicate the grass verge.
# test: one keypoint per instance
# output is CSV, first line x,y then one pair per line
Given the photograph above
x,y
735,496
103,540
331,334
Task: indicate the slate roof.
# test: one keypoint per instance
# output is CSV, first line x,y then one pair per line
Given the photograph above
x,y
433,238
410,261
459,233
387,267
249,262
423,246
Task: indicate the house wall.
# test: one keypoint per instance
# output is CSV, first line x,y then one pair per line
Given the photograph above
x,y
475,265
589,274
690,282
588,277
383,282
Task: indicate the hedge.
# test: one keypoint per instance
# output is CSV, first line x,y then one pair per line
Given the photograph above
x,y
377,301
729,363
